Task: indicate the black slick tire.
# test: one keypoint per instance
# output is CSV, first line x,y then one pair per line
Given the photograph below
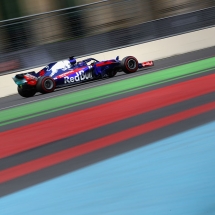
x,y
129,64
45,84
26,92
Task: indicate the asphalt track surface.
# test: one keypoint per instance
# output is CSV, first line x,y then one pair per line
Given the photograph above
x,y
43,162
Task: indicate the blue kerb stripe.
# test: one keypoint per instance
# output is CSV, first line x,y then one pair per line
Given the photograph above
x,y
172,176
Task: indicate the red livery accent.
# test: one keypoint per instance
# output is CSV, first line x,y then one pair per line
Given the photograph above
x,y
31,80
147,63
42,73
104,63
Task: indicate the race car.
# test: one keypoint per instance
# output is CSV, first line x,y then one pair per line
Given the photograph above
x,y
69,72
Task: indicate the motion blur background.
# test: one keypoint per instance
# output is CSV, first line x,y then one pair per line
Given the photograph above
x,y
33,33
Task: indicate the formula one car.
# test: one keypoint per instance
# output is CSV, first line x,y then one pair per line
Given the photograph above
x,y
68,72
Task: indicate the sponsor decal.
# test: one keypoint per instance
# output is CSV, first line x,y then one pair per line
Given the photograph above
x,y
53,72
79,76
70,72
60,65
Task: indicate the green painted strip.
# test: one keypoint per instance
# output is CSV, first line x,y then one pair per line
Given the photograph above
x,y
82,97
96,99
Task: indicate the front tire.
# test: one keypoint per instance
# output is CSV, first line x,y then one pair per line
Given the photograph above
x,y
129,64
45,85
26,93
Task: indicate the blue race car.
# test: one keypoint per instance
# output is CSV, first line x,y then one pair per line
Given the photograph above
x,y
68,72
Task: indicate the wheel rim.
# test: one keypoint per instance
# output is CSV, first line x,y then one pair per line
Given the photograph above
x,y
48,84
132,64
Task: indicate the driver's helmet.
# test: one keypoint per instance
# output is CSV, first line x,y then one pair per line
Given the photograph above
x,y
72,60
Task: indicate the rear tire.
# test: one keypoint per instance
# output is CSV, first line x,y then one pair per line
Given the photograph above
x,y
129,64
26,92
45,85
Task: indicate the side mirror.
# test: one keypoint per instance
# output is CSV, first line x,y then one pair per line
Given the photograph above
x,y
117,58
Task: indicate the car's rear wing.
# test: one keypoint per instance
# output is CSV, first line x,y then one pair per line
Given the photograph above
x,y
23,78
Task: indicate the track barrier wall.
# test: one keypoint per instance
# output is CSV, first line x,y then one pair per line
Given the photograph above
x,y
35,40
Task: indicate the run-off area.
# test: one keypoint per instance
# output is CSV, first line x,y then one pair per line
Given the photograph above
x,y
172,176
